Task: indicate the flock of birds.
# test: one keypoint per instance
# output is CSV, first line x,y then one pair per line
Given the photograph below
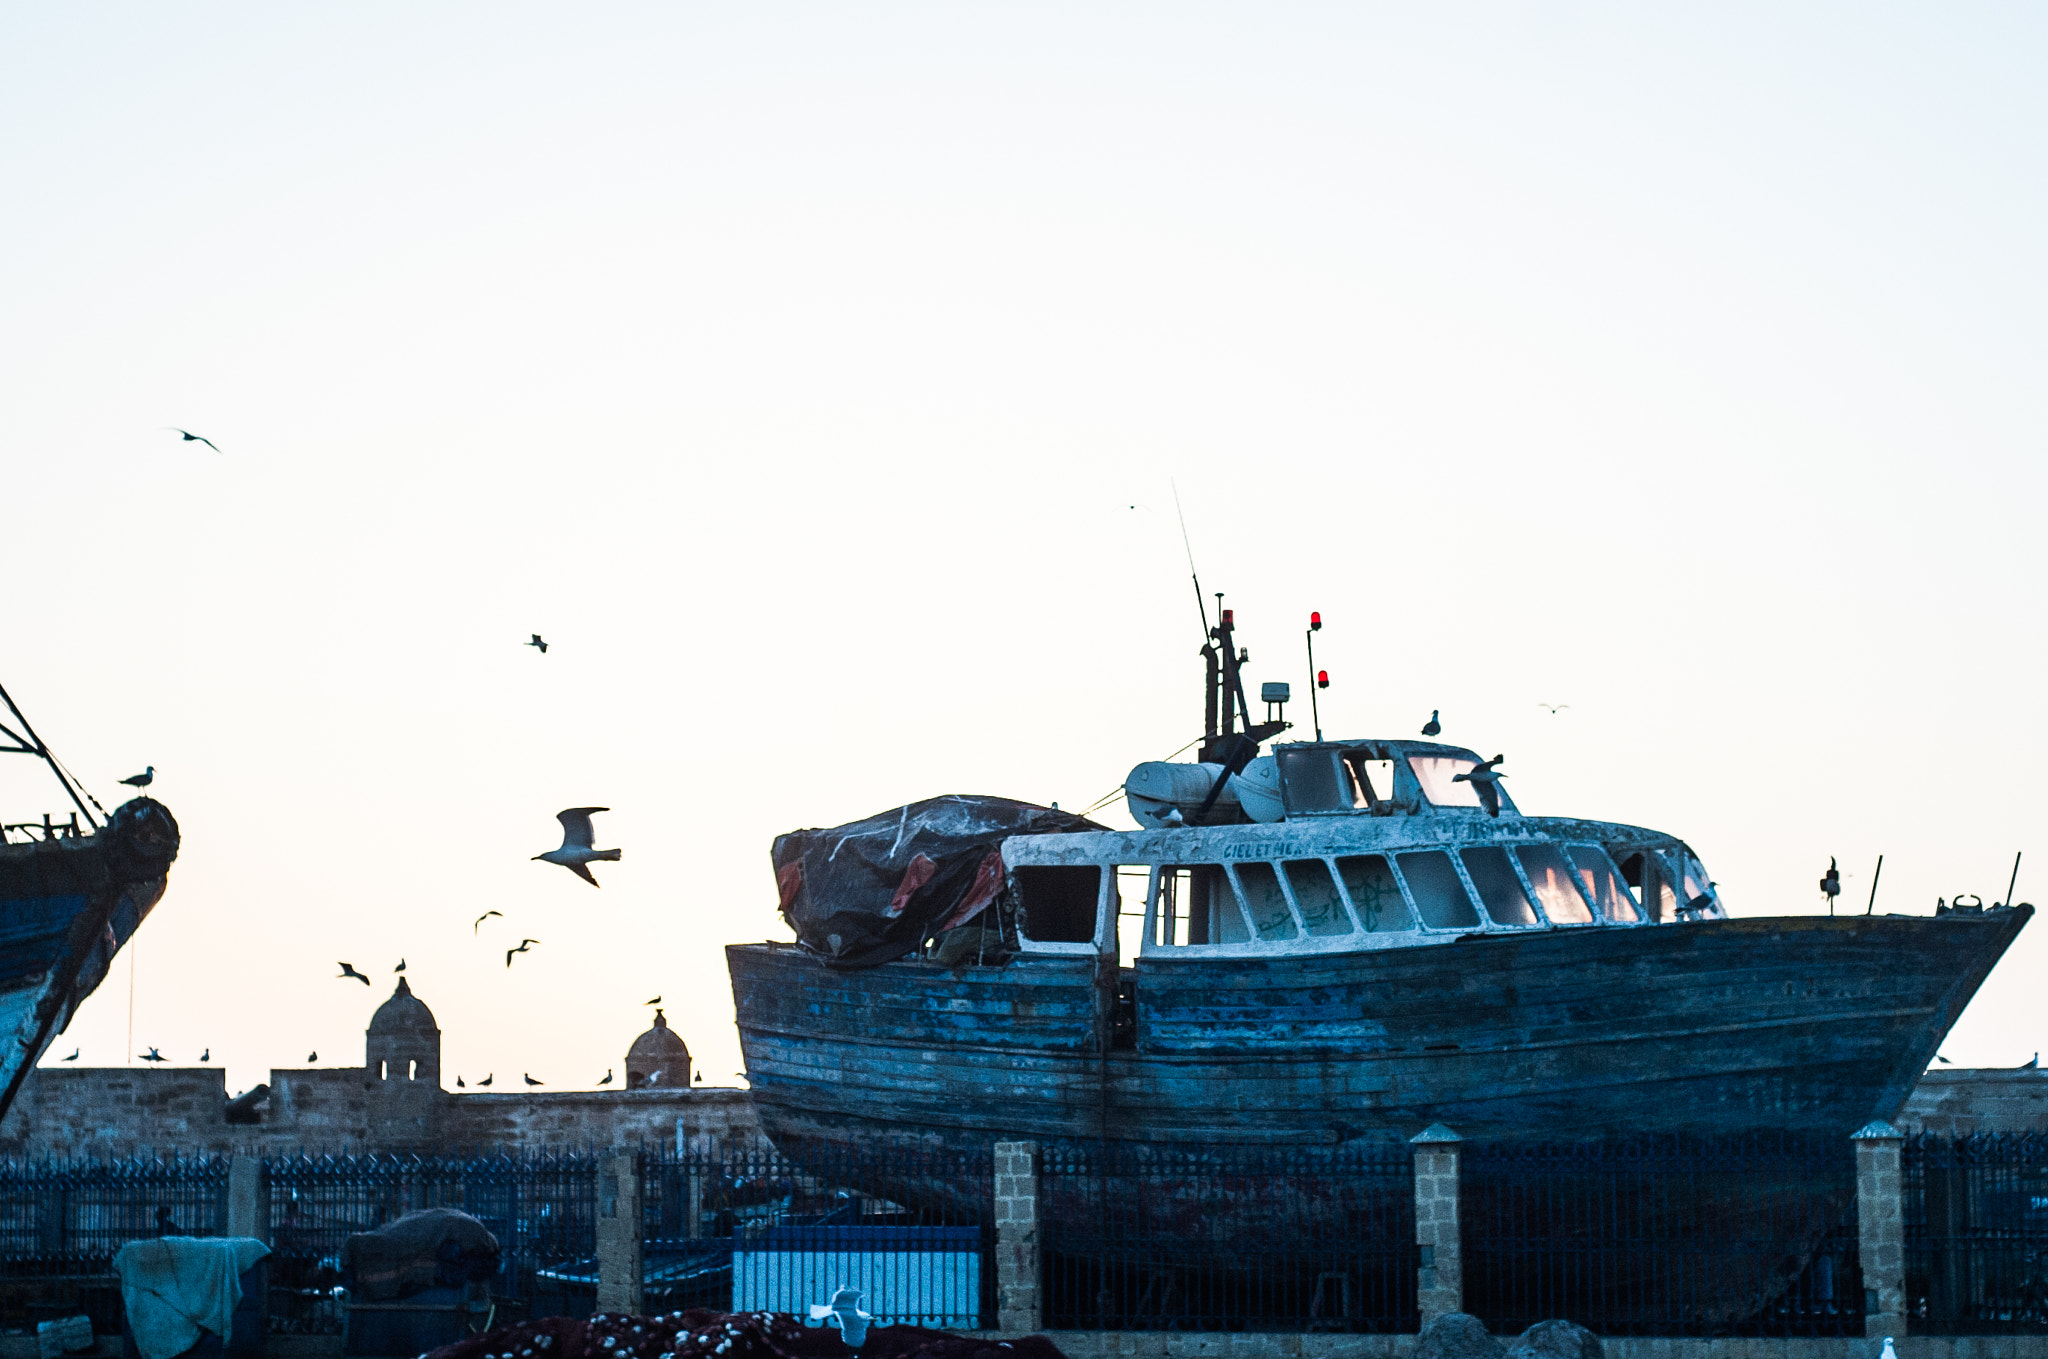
x,y
576,853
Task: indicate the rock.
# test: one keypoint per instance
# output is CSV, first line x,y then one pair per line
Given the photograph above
x,y
1457,1335
1556,1340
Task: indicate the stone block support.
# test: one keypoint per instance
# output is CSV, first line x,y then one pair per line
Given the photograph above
x,y
1016,1193
620,1275
248,1204
1439,1274
1881,1227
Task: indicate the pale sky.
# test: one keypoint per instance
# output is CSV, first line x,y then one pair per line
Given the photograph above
x,y
814,379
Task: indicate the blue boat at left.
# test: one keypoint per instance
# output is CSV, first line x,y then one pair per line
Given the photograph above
x,y
72,892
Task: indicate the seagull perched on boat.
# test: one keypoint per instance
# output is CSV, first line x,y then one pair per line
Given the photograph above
x,y
154,1056
537,642
482,918
347,971
607,1077
187,436
141,781
1433,727
1831,884
524,945
1484,779
655,1001
400,967
576,853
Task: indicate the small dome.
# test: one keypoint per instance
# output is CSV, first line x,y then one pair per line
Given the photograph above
x,y
659,1054
404,1013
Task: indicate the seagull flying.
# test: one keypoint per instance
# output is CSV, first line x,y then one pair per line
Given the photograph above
x,y
74,1055
1831,884
142,780
191,438
154,1056
1433,727
1554,707
607,1077
537,642
576,853
524,945
531,1081
1484,779
482,918
347,971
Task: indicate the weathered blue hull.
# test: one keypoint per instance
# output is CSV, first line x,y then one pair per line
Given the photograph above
x,y
1809,1024
67,905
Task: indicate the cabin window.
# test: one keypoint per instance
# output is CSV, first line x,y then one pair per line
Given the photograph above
x,y
1374,894
1643,871
1551,876
1129,885
1603,883
1315,893
1438,775
1268,904
1315,780
1190,896
1439,897
1058,902
1500,891
1373,779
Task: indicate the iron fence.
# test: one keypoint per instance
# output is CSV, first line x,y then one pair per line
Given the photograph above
x,y
61,1223
542,1207
1249,1238
1665,1236
1976,1218
761,1230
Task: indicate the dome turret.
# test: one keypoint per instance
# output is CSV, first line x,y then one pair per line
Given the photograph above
x,y
658,1057
403,1042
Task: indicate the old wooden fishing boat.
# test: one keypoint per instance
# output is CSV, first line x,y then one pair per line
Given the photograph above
x,y
72,892
1344,939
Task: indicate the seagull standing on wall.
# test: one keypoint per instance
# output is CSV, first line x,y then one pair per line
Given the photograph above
x,y
1485,781
576,853
141,781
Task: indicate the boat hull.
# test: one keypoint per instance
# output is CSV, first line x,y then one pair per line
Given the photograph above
x,y
1805,1024
66,908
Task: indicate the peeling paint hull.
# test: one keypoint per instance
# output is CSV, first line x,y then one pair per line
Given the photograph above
x,y
1810,1024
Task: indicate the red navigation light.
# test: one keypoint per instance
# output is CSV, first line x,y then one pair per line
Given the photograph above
x,y
1322,679
1315,622
1228,614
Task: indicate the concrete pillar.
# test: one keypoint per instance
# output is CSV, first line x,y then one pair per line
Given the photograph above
x,y
248,1213
1018,1311
1881,1227
1440,1272
620,1278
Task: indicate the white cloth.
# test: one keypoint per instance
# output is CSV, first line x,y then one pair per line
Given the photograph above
x,y
176,1286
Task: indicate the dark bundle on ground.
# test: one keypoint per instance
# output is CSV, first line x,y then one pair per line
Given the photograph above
x,y
702,1334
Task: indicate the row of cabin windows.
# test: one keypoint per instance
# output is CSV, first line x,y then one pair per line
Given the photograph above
x,y
1558,884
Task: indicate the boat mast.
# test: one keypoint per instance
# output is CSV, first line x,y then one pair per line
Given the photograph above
x,y
26,742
